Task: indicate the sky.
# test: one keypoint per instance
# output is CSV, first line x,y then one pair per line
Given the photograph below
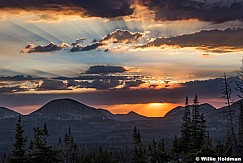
x,y
122,55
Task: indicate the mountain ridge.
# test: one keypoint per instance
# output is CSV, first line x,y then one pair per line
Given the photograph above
x,y
112,130
67,108
7,113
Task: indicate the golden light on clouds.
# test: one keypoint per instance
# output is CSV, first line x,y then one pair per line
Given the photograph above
x,y
47,16
141,13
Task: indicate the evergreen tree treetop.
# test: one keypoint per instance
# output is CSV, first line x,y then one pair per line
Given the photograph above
x,y
18,152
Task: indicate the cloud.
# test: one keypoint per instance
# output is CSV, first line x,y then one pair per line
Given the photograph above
x,y
95,8
98,84
101,76
79,40
78,47
100,69
78,84
217,41
122,36
31,48
48,85
132,83
211,11
17,78
207,90
14,89
104,84
117,36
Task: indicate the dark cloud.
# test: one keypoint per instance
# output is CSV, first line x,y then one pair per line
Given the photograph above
x,y
79,40
17,78
207,90
132,83
105,69
217,41
78,47
77,84
43,48
97,8
102,80
48,85
102,76
122,36
9,90
108,95
211,11
104,84
98,84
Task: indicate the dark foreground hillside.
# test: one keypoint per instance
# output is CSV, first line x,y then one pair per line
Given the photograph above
x,y
92,127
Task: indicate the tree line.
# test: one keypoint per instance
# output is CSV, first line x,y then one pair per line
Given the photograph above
x,y
193,141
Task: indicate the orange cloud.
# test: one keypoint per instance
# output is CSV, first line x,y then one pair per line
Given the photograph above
x,y
215,41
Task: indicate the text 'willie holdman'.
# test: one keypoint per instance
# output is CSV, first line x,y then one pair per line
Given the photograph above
x,y
221,159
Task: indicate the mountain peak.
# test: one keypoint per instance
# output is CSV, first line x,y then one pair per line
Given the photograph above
x,y
7,113
132,113
205,108
66,109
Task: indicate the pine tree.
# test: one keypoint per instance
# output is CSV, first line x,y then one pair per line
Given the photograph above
x,y
138,150
239,82
39,151
233,148
153,155
176,146
186,129
207,148
196,129
220,149
4,158
70,151
229,144
241,125
18,153
100,156
163,155
241,128
203,135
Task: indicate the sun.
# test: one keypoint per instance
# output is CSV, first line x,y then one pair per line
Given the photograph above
x,y
156,109
155,105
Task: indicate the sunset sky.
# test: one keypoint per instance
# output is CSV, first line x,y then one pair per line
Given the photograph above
x,y
121,55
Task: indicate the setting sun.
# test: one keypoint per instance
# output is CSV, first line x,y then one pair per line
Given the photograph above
x,y
149,110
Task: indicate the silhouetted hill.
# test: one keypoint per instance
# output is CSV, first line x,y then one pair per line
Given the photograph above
x,y
70,109
131,116
7,113
66,109
90,125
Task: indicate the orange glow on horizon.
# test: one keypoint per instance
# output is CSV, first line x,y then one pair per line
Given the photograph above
x,y
25,110
149,110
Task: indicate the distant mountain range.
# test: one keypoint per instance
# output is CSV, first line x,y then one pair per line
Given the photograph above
x,y
7,113
68,109
90,125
